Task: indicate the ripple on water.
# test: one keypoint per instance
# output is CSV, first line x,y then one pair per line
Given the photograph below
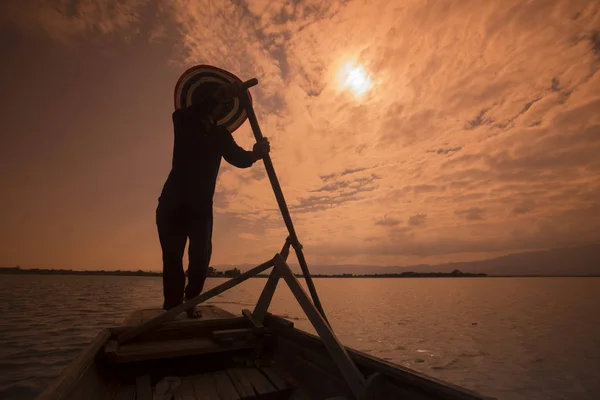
x,y
445,365
237,303
473,353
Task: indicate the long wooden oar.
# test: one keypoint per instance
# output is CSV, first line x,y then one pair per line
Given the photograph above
x,y
279,195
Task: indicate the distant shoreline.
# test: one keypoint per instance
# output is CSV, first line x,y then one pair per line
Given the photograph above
x,y
220,274
227,274
37,271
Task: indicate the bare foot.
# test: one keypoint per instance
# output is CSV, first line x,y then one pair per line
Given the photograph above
x,y
194,312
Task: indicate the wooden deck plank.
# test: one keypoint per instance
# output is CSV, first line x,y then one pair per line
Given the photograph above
x,y
189,328
204,387
260,384
241,383
225,387
277,380
282,373
209,312
143,388
111,390
125,392
299,394
187,389
241,333
140,351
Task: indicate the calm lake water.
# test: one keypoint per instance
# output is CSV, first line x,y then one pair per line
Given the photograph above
x,y
528,338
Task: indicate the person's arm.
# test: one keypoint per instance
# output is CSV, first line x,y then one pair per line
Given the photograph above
x,y
233,153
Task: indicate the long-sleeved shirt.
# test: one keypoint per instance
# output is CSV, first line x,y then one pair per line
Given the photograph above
x,y
197,153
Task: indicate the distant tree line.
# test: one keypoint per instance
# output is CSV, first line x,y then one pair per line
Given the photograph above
x,y
40,271
212,272
454,274
229,273
232,273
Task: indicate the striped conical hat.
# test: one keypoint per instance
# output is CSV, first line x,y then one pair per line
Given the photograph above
x,y
203,80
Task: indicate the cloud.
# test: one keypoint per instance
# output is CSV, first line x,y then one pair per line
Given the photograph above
x,y
445,151
524,207
387,222
66,21
462,129
479,120
417,219
481,129
471,214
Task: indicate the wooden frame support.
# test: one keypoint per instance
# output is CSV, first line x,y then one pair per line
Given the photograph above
x,y
285,252
262,305
166,316
257,326
348,369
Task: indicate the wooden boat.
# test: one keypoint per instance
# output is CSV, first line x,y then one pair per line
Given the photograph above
x,y
220,356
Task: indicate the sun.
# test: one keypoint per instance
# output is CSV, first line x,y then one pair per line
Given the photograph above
x,y
354,78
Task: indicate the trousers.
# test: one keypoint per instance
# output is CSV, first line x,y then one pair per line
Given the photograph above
x,y
176,224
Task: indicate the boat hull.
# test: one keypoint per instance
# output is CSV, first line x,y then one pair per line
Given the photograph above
x,y
224,356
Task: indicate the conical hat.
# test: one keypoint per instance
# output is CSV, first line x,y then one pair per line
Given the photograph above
x,y
203,80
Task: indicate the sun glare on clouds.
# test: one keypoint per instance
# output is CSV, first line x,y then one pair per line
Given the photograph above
x,y
354,78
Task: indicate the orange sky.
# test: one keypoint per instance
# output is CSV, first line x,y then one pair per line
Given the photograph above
x,y
480,135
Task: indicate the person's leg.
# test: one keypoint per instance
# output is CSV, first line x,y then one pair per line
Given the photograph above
x,y
199,252
172,233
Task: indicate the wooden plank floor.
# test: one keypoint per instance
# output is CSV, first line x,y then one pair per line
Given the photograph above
x,y
230,384
209,311
233,384
142,351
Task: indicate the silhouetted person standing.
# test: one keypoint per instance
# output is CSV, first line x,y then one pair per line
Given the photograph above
x,y
185,206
